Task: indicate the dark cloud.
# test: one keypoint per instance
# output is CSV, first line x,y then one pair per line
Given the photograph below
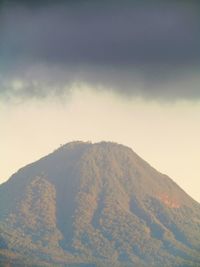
x,y
133,47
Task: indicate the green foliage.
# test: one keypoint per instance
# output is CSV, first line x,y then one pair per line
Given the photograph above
x,y
97,205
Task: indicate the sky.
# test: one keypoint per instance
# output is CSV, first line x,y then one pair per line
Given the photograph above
x,y
123,71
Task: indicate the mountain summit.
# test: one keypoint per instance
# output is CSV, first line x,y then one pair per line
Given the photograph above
x,y
96,205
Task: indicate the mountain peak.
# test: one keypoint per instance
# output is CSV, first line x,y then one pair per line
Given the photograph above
x,y
98,203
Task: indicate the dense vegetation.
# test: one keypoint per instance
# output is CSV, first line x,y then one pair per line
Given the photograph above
x,y
96,205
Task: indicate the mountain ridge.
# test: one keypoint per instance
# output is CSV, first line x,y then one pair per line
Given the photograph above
x,y
98,204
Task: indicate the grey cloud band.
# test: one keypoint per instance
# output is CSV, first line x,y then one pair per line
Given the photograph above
x,y
114,45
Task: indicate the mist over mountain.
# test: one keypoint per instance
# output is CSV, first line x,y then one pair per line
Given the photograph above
x,y
96,205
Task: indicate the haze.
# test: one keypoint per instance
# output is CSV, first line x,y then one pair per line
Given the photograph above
x,y
166,135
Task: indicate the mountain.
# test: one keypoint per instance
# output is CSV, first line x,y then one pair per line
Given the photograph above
x,y
96,205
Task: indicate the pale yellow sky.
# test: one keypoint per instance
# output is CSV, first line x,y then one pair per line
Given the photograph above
x,y
166,135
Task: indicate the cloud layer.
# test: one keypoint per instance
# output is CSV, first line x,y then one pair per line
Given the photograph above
x,y
150,50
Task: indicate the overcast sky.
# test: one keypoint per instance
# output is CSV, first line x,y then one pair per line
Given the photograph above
x,y
125,71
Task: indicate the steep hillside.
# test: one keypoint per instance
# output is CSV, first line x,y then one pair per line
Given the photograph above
x,y
97,205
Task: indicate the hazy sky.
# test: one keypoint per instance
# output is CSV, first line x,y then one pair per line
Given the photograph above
x,y
124,71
